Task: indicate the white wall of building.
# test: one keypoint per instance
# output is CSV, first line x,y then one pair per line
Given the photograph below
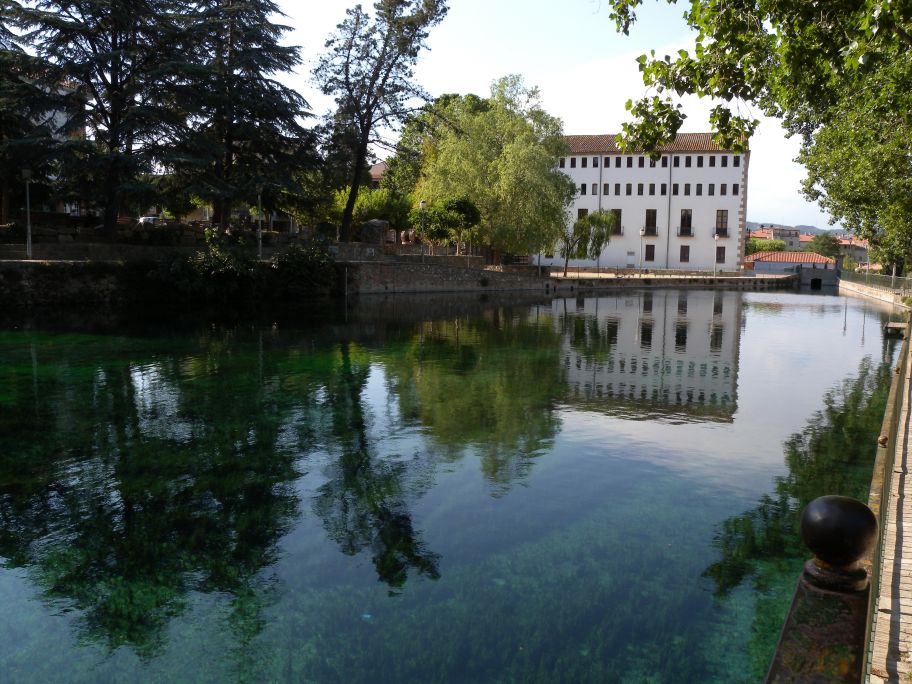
x,y
643,181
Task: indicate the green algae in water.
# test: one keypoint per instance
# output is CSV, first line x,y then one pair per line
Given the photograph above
x,y
233,504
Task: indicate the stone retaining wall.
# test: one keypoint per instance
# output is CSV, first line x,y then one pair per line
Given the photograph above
x,y
387,277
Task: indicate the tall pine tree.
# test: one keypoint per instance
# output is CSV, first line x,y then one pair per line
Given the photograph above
x,y
26,112
244,128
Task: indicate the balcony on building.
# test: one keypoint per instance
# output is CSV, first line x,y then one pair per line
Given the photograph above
x,y
685,231
650,231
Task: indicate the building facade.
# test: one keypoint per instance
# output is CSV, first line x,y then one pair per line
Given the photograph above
x,y
686,210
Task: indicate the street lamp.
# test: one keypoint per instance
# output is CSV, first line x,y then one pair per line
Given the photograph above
x,y
421,205
642,234
27,177
715,251
260,221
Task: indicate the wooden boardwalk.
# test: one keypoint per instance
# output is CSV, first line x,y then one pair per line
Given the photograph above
x,y
891,660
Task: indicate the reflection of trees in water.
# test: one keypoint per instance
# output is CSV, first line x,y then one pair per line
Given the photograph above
x,y
487,384
364,505
117,513
833,455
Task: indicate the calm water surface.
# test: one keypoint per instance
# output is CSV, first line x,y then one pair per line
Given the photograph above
x,y
592,490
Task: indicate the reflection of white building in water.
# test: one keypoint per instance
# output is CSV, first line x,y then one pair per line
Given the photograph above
x,y
669,352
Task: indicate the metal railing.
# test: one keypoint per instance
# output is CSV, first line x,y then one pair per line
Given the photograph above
x,y
649,231
721,232
685,231
888,283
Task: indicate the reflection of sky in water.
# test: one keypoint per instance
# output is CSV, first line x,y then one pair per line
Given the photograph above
x,y
569,528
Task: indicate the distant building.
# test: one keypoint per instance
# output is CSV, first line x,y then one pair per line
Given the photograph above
x,y
790,236
377,172
787,262
685,210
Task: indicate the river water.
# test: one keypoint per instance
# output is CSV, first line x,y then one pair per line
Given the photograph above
x,y
583,490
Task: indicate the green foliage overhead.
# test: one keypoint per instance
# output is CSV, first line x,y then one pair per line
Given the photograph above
x,y
502,157
835,73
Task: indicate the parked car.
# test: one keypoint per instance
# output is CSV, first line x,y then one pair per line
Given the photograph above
x,y
150,221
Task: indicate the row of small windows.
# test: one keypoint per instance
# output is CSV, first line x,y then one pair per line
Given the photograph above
x,y
650,226
684,254
663,188
689,161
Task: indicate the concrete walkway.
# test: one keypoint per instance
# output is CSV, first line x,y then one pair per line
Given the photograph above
x,y
892,633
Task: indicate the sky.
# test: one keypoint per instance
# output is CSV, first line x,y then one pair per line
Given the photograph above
x,y
584,69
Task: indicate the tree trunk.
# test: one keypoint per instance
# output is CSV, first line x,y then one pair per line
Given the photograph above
x,y
4,203
347,215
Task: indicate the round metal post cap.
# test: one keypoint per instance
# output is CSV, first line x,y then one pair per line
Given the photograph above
x,y
838,529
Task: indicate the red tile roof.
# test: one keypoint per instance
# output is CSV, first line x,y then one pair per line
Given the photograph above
x,y
378,170
607,143
790,258
761,234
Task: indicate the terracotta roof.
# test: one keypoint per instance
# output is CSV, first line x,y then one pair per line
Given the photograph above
x,y
607,143
761,234
790,258
804,237
377,170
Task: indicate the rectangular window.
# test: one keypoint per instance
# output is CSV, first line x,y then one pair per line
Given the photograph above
x,y
595,188
712,160
677,162
583,189
722,188
720,255
717,303
605,188
674,188
685,258
651,215
584,161
711,189
582,213
629,188
736,161
686,219
652,188
647,302
687,187
687,161
617,188
664,162
607,162
646,334
652,163
722,221
642,162
735,188
664,189
561,162
595,162
618,226
617,162
716,331
572,162
700,161
650,253
681,337
639,189
724,161
699,189
629,162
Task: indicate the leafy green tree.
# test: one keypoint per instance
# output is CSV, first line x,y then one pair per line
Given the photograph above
x,y
502,157
755,245
837,74
825,244
369,68
587,237
26,113
117,55
382,204
243,124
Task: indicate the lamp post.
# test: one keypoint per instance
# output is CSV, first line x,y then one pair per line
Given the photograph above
x,y
642,234
27,177
421,205
715,251
260,221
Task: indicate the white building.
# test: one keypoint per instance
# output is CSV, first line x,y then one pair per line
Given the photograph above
x,y
685,211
